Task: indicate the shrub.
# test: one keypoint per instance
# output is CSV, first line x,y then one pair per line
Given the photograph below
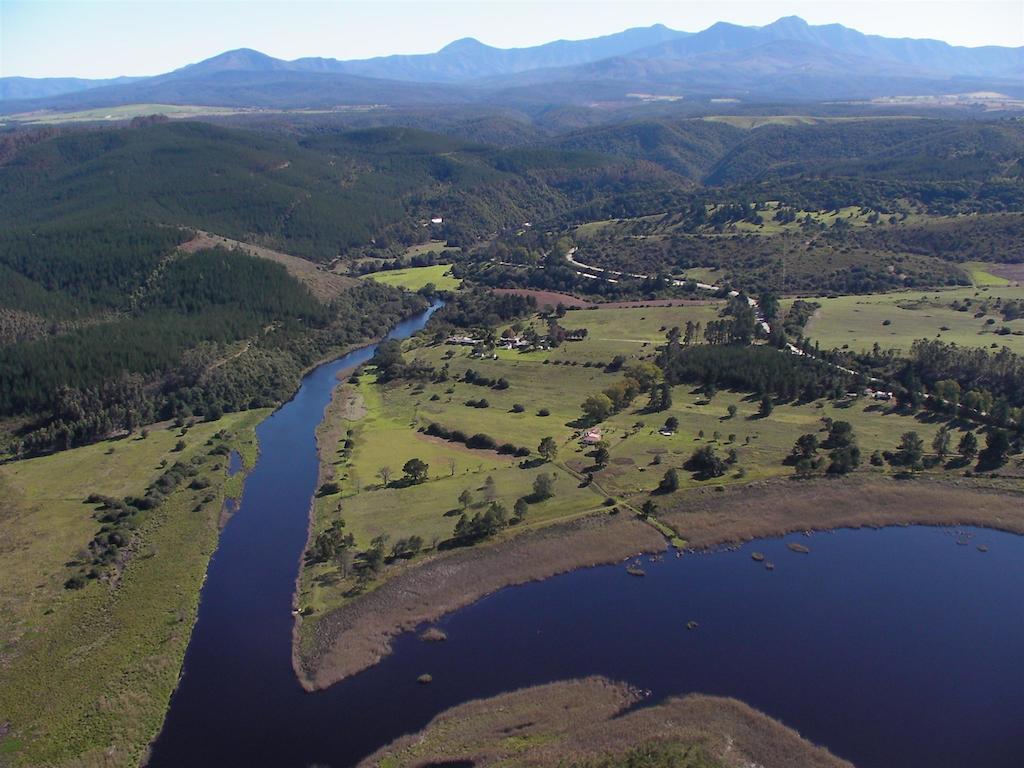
x,y
329,489
480,440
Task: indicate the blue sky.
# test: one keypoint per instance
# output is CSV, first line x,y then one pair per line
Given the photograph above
x,y
104,38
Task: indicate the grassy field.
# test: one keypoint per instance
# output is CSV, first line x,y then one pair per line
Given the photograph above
x,y
630,331
981,276
895,320
415,278
434,246
384,431
761,444
125,112
87,674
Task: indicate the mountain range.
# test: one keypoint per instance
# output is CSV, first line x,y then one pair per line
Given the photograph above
x,y
788,60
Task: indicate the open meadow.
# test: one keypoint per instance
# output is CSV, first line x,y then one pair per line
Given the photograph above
x,y
414,278
895,320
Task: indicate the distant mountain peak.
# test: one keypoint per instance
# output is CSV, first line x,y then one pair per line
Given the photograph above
x,y
788,22
464,45
239,59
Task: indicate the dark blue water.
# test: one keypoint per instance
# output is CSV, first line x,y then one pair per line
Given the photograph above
x,y
892,648
234,463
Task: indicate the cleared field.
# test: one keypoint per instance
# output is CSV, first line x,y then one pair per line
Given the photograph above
x,y
415,278
761,444
629,331
434,246
983,274
321,283
125,112
87,674
895,320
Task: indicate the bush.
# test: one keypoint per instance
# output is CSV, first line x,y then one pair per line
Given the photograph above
x,y
480,440
329,489
75,582
543,412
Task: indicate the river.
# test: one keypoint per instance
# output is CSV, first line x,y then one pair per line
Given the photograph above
x,y
897,647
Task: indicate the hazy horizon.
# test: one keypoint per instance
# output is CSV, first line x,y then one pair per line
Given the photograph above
x,y
94,39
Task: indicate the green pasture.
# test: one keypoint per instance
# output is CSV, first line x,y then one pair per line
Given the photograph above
x,y
414,278
895,320
761,443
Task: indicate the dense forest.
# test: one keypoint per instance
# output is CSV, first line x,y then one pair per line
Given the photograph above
x,y
207,332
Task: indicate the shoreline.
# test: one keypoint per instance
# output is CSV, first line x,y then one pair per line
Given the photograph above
x,y
706,519
358,635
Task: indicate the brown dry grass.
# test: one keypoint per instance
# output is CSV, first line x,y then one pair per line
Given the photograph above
x,y
705,519
1013,272
357,635
576,720
324,285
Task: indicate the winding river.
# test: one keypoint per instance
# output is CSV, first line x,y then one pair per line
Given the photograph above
x,y
898,647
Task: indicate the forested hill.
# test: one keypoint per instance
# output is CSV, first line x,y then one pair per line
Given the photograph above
x,y
317,196
238,183
154,333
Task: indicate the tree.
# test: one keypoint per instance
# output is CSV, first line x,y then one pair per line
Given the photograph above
x,y
731,410
671,423
997,445
465,498
601,456
766,407
490,488
520,509
948,391
844,460
840,435
941,442
669,482
909,452
543,486
648,509
805,447
548,448
706,462
415,470
645,373
384,473
597,407
968,446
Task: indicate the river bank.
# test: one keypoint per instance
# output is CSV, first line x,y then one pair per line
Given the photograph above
x,y
359,634
594,718
707,518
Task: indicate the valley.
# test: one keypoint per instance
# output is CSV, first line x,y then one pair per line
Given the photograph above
x,y
655,399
